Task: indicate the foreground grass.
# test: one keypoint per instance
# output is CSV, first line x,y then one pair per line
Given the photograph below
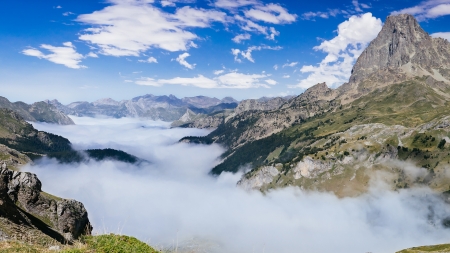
x,y
90,244
442,248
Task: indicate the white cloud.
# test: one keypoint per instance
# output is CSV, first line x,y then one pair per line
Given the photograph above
x,y
239,38
130,27
311,15
173,197
286,76
68,13
58,7
219,72
356,5
342,51
271,81
292,64
445,35
275,67
182,60
165,3
92,55
250,26
247,54
65,55
149,60
241,81
231,4
428,9
272,34
233,80
271,13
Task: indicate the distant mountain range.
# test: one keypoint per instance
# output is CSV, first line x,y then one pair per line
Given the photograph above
x,y
166,108
39,111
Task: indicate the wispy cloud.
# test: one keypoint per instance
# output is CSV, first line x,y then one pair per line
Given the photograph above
x,y
247,54
65,55
182,60
233,80
429,9
149,60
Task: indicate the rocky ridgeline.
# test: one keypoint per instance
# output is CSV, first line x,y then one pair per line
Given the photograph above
x,y
37,112
216,118
29,214
166,108
340,139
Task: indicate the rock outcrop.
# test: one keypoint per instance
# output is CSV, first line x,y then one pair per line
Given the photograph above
x,y
403,45
23,203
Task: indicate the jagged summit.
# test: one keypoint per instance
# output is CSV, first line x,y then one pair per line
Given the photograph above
x,y
404,48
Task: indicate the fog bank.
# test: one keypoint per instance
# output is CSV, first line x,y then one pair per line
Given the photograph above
x,y
175,197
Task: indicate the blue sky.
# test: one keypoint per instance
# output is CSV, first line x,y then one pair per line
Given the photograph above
x,y
76,51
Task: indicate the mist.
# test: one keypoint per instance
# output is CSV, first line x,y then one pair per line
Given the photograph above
x,y
173,199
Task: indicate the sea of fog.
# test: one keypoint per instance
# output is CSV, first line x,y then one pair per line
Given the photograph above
x,y
172,200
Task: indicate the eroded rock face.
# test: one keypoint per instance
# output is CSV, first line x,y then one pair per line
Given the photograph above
x,y
69,217
402,44
262,177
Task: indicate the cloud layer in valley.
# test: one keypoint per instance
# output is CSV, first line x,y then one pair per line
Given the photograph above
x,y
174,197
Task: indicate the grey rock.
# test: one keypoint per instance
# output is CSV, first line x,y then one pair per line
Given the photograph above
x,y
68,217
37,112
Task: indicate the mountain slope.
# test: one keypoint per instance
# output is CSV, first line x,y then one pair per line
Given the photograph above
x,y
39,111
392,112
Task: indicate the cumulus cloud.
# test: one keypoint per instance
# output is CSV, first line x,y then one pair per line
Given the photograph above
x,y
65,55
445,35
175,198
182,60
247,54
240,37
429,9
130,27
149,60
354,35
232,80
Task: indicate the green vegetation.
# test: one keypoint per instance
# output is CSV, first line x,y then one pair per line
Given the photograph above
x,y
432,249
410,104
89,244
108,153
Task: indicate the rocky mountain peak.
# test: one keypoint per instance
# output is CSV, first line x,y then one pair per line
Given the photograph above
x,y
403,46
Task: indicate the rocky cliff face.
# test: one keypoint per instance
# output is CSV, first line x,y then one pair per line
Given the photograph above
x,y
26,207
403,45
401,51
260,104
